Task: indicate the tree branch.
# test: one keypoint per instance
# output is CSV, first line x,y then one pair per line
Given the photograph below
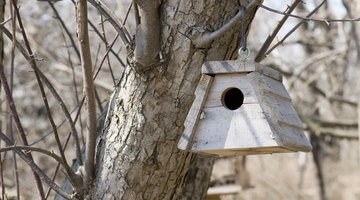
x,y
53,92
261,54
65,28
18,125
83,37
204,40
72,176
35,167
114,21
293,29
335,129
147,38
327,21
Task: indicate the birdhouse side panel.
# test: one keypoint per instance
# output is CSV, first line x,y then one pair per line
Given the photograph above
x,y
293,138
275,100
195,111
222,129
283,119
223,82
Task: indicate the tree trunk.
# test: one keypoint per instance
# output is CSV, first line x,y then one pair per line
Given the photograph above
x,y
139,158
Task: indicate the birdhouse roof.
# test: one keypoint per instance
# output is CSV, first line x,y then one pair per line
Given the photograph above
x,y
238,66
213,129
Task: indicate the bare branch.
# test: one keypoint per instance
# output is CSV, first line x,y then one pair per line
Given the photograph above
x,y
58,166
72,176
83,37
147,38
204,40
137,15
5,119
327,21
358,111
18,124
293,29
107,47
26,157
75,182
104,40
127,13
106,56
53,92
353,30
114,21
36,149
261,54
335,129
65,28
12,69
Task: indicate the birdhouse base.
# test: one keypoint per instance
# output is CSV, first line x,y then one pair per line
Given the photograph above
x,y
246,151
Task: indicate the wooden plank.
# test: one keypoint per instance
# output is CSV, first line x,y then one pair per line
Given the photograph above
x,y
238,66
223,129
224,190
194,114
274,99
249,151
268,85
293,139
222,82
268,71
280,113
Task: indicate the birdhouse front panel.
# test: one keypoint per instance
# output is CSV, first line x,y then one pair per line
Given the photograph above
x,y
232,105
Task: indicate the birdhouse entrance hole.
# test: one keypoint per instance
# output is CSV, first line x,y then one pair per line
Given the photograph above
x,y
232,98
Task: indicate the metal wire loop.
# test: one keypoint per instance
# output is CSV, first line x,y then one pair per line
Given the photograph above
x,y
244,53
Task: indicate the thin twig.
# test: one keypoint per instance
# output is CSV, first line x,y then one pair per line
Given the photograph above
x,y
106,43
83,38
72,176
26,157
18,125
73,77
13,108
70,36
136,14
127,13
68,137
42,137
58,165
261,54
12,69
114,21
106,55
4,119
2,177
34,149
327,21
293,29
53,92
353,30
104,40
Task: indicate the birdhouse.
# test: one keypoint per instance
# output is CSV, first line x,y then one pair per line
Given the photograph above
x,y
240,108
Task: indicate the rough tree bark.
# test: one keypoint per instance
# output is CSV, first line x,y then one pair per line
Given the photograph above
x,y
138,155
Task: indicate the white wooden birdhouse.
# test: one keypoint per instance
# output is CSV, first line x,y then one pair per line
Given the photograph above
x,y
241,108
